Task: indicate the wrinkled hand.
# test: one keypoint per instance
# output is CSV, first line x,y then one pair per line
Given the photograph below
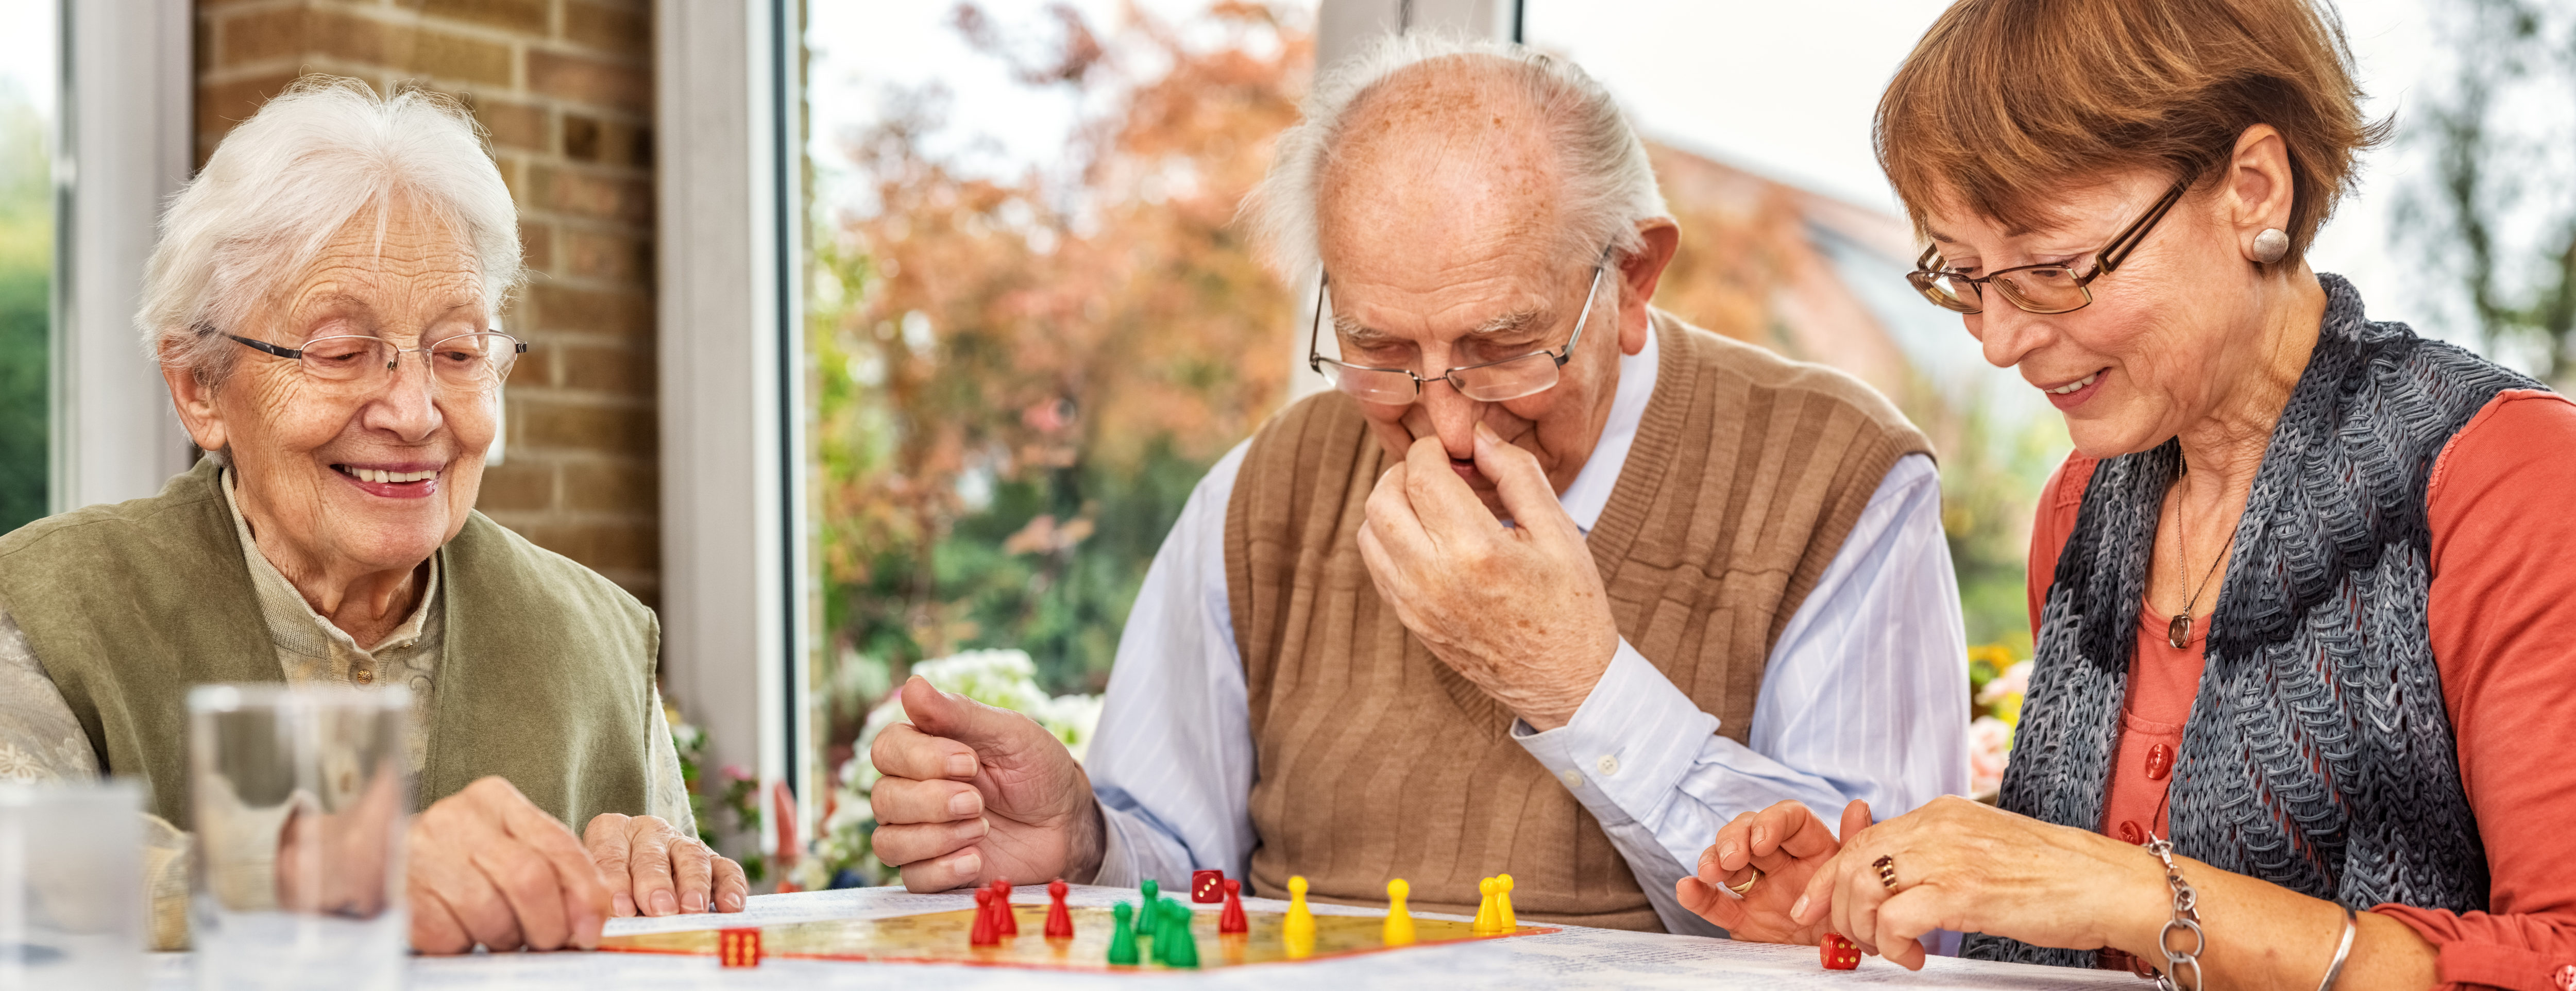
x,y
1971,868
653,867
487,866
972,792
1789,845
1518,610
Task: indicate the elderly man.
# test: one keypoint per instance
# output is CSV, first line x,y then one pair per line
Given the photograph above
x,y
1551,585
321,304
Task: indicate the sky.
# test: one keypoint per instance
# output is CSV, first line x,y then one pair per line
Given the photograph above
x,y
1783,89
27,49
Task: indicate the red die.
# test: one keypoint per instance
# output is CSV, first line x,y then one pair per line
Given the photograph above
x,y
1839,953
740,947
1207,887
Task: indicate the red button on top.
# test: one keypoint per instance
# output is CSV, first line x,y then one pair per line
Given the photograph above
x,y
2130,832
2565,978
2159,762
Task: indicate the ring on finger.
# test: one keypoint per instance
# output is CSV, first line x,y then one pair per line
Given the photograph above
x,y
1886,870
1741,889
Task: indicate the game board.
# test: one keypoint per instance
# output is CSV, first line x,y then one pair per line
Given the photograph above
x,y
941,937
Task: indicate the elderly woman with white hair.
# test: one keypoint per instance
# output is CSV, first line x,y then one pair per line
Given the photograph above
x,y
322,304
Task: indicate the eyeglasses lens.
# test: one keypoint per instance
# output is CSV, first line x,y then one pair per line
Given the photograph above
x,y
1369,385
466,361
1526,375
2043,290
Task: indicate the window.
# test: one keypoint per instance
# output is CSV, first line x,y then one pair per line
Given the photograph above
x,y
28,49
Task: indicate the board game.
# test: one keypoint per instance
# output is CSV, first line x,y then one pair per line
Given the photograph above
x,y
949,937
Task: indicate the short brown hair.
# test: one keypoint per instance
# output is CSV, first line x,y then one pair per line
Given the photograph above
x,y
2004,99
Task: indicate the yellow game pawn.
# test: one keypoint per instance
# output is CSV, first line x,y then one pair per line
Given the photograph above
x,y
1486,916
1399,922
1297,931
1504,921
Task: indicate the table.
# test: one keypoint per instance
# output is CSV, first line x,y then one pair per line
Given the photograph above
x,y
1575,959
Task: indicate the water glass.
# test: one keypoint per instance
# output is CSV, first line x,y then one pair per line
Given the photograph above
x,y
301,796
71,885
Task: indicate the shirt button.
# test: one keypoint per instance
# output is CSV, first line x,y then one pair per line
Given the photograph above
x,y
363,676
2565,978
1571,777
2159,762
2130,833
1607,765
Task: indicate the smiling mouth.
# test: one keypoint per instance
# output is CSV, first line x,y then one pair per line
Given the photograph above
x,y
385,477
2073,387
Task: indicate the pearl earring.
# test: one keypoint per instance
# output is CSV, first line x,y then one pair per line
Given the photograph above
x,y
2271,246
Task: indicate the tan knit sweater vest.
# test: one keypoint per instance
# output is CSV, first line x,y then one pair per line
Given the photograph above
x,y
1377,761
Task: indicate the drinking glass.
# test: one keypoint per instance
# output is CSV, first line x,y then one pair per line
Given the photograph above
x,y
71,885
302,796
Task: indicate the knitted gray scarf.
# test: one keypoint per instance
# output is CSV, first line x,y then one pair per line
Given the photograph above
x,y
2318,755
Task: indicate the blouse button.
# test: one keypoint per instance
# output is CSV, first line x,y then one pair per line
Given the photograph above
x,y
2565,978
2159,762
2131,833
364,676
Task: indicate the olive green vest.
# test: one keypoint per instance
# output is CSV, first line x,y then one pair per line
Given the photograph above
x,y
544,679
1377,761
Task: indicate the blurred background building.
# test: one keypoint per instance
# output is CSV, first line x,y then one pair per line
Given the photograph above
x,y
867,333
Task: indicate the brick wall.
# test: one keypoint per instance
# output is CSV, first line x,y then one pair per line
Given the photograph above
x,y
564,87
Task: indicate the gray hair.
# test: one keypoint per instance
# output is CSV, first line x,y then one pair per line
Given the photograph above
x,y
1609,184
286,180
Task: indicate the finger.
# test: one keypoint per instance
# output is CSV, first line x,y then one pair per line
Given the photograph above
x,y
649,869
1447,507
1703,900
905,801
909,844
1817,901
733,890
1391,515
1855,819
1521,483
1905,919
480,907
944,874
1727,853
606,840
904,750
693,870
529,885
993,733
434,928
577,880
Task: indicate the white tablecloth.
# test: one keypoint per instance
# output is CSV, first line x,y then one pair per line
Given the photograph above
x,y
1572,960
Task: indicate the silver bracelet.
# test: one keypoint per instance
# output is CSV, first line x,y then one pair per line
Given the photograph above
x,y
2351,924
2186,917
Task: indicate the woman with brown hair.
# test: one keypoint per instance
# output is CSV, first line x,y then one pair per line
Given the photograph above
x,y
2303,627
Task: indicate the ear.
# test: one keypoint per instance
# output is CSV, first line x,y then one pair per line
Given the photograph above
x,y
1639,273
2257,192
195,402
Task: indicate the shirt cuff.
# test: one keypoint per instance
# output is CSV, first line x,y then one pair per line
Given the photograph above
x,y
1627,747
1117,853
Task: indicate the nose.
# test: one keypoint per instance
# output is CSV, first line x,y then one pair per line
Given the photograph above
x,y
408,405
1453,417
2006,333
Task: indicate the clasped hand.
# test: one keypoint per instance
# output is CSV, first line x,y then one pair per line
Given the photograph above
x,y
1519,610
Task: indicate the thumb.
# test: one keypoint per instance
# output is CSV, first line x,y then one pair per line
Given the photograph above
x,y
1525,490
1855,819
955,717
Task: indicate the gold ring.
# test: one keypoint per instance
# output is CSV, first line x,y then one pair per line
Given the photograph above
x,y
1748,884
1886,871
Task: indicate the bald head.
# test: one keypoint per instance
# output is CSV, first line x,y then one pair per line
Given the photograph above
x,y
1456,153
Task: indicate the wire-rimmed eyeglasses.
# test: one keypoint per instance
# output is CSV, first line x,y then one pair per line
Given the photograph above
x,y
1489,382
474,361
2043,289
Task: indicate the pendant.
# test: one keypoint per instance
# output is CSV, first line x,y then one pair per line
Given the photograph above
x,y
2179,631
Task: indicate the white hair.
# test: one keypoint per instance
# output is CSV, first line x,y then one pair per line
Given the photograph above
x,y
284,182
1609,186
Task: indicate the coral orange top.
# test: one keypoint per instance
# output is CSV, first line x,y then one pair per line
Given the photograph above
x,y
2502,504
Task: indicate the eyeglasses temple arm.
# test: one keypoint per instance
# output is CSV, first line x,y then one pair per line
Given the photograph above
x,y
2118,250
1315,329
1586,316
288,353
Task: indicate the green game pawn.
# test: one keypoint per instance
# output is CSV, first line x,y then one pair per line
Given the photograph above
x,y
1177,946
1122,941
1150,912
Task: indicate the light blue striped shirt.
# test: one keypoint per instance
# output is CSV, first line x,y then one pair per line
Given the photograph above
x,y
1865,696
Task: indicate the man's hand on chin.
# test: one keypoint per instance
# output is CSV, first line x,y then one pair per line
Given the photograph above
x,y
1519,610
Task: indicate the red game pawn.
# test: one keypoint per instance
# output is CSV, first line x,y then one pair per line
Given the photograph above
x,y
1231,920
1004,922
1059,924
1207,887
983,934
1839,953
